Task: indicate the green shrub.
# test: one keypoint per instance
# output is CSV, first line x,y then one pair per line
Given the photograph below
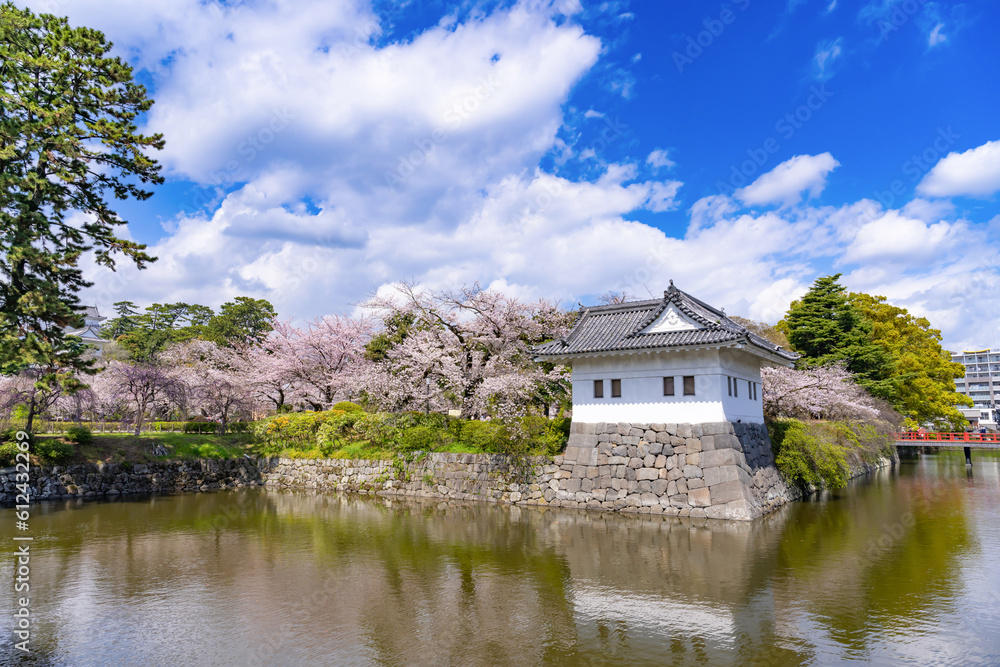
x,y
379,429
347,406
202,428
53,451
484,436
425,438
81,435
809,456
8,452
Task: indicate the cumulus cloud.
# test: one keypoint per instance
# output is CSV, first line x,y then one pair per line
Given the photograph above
x,y
974,173
658,159
785,183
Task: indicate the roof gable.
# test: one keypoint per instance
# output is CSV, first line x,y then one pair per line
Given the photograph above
x,y
671,319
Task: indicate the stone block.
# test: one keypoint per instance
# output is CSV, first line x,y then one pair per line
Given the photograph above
x,y
693,445
615,439
623,428
663,438
695,430
649,499
644,486
649,435
601,428
600,495
671,488
635,462
693,459
692,472
643,449
631,440
647,474
655,448
699,498
720,474
718,457
579,471
572,485
635,432
644,426
680,500
682,486
603,482
707,443
649,461
659,487
729,491
586,485
696,483
657,427
670,429
592,472
684,431
660,461
668,450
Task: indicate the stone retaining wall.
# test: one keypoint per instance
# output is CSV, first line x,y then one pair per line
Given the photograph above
x,y
718,470
113,479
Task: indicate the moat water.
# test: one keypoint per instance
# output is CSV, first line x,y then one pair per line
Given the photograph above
x,y
902,567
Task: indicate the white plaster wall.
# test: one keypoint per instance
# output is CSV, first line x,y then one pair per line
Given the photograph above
x,y
642,398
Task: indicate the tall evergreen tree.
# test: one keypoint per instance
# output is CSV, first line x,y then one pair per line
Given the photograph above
x,y
824,327
68,140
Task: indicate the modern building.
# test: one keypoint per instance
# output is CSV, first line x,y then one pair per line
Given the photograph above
x,y
91,331
982,384
674,360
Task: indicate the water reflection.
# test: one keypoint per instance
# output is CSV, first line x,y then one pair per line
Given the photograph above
x,y
896,568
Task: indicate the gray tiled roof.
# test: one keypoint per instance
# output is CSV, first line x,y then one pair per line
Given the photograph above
x,y
618,327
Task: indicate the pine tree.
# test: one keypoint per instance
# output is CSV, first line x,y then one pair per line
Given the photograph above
x,y
824,327
68,140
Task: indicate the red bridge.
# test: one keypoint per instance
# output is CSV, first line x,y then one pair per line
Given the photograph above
x,y
967,441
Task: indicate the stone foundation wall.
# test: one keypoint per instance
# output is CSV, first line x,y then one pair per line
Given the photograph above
x,y
722,470
113,479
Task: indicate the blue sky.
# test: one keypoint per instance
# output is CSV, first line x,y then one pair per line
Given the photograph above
x,y
317,151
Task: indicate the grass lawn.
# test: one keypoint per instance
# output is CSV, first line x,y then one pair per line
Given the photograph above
x,y
118,448
363,450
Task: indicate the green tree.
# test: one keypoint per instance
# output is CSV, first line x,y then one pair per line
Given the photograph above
x,y
127,320
68,140
923,379
242,321
397,328
824,327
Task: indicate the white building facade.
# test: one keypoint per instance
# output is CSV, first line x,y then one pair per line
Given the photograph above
x,y
981,383
671,360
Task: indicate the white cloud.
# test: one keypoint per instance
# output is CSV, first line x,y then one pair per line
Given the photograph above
x,y
974,173
894,238
936,37
658,159
826,55
785,183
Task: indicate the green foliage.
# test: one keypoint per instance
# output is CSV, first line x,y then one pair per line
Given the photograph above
x,y
357,434
820,453
805,458
397,327
145,334
922,385
242,321
81,435
8,452
200,427
825,327
53,451
347,406
426,438
68,142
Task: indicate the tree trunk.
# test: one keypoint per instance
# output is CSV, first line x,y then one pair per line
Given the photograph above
x,y
31,415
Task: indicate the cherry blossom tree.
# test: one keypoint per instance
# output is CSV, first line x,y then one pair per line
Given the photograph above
x,y
145,387
824,392
316,365
211,378
468,349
